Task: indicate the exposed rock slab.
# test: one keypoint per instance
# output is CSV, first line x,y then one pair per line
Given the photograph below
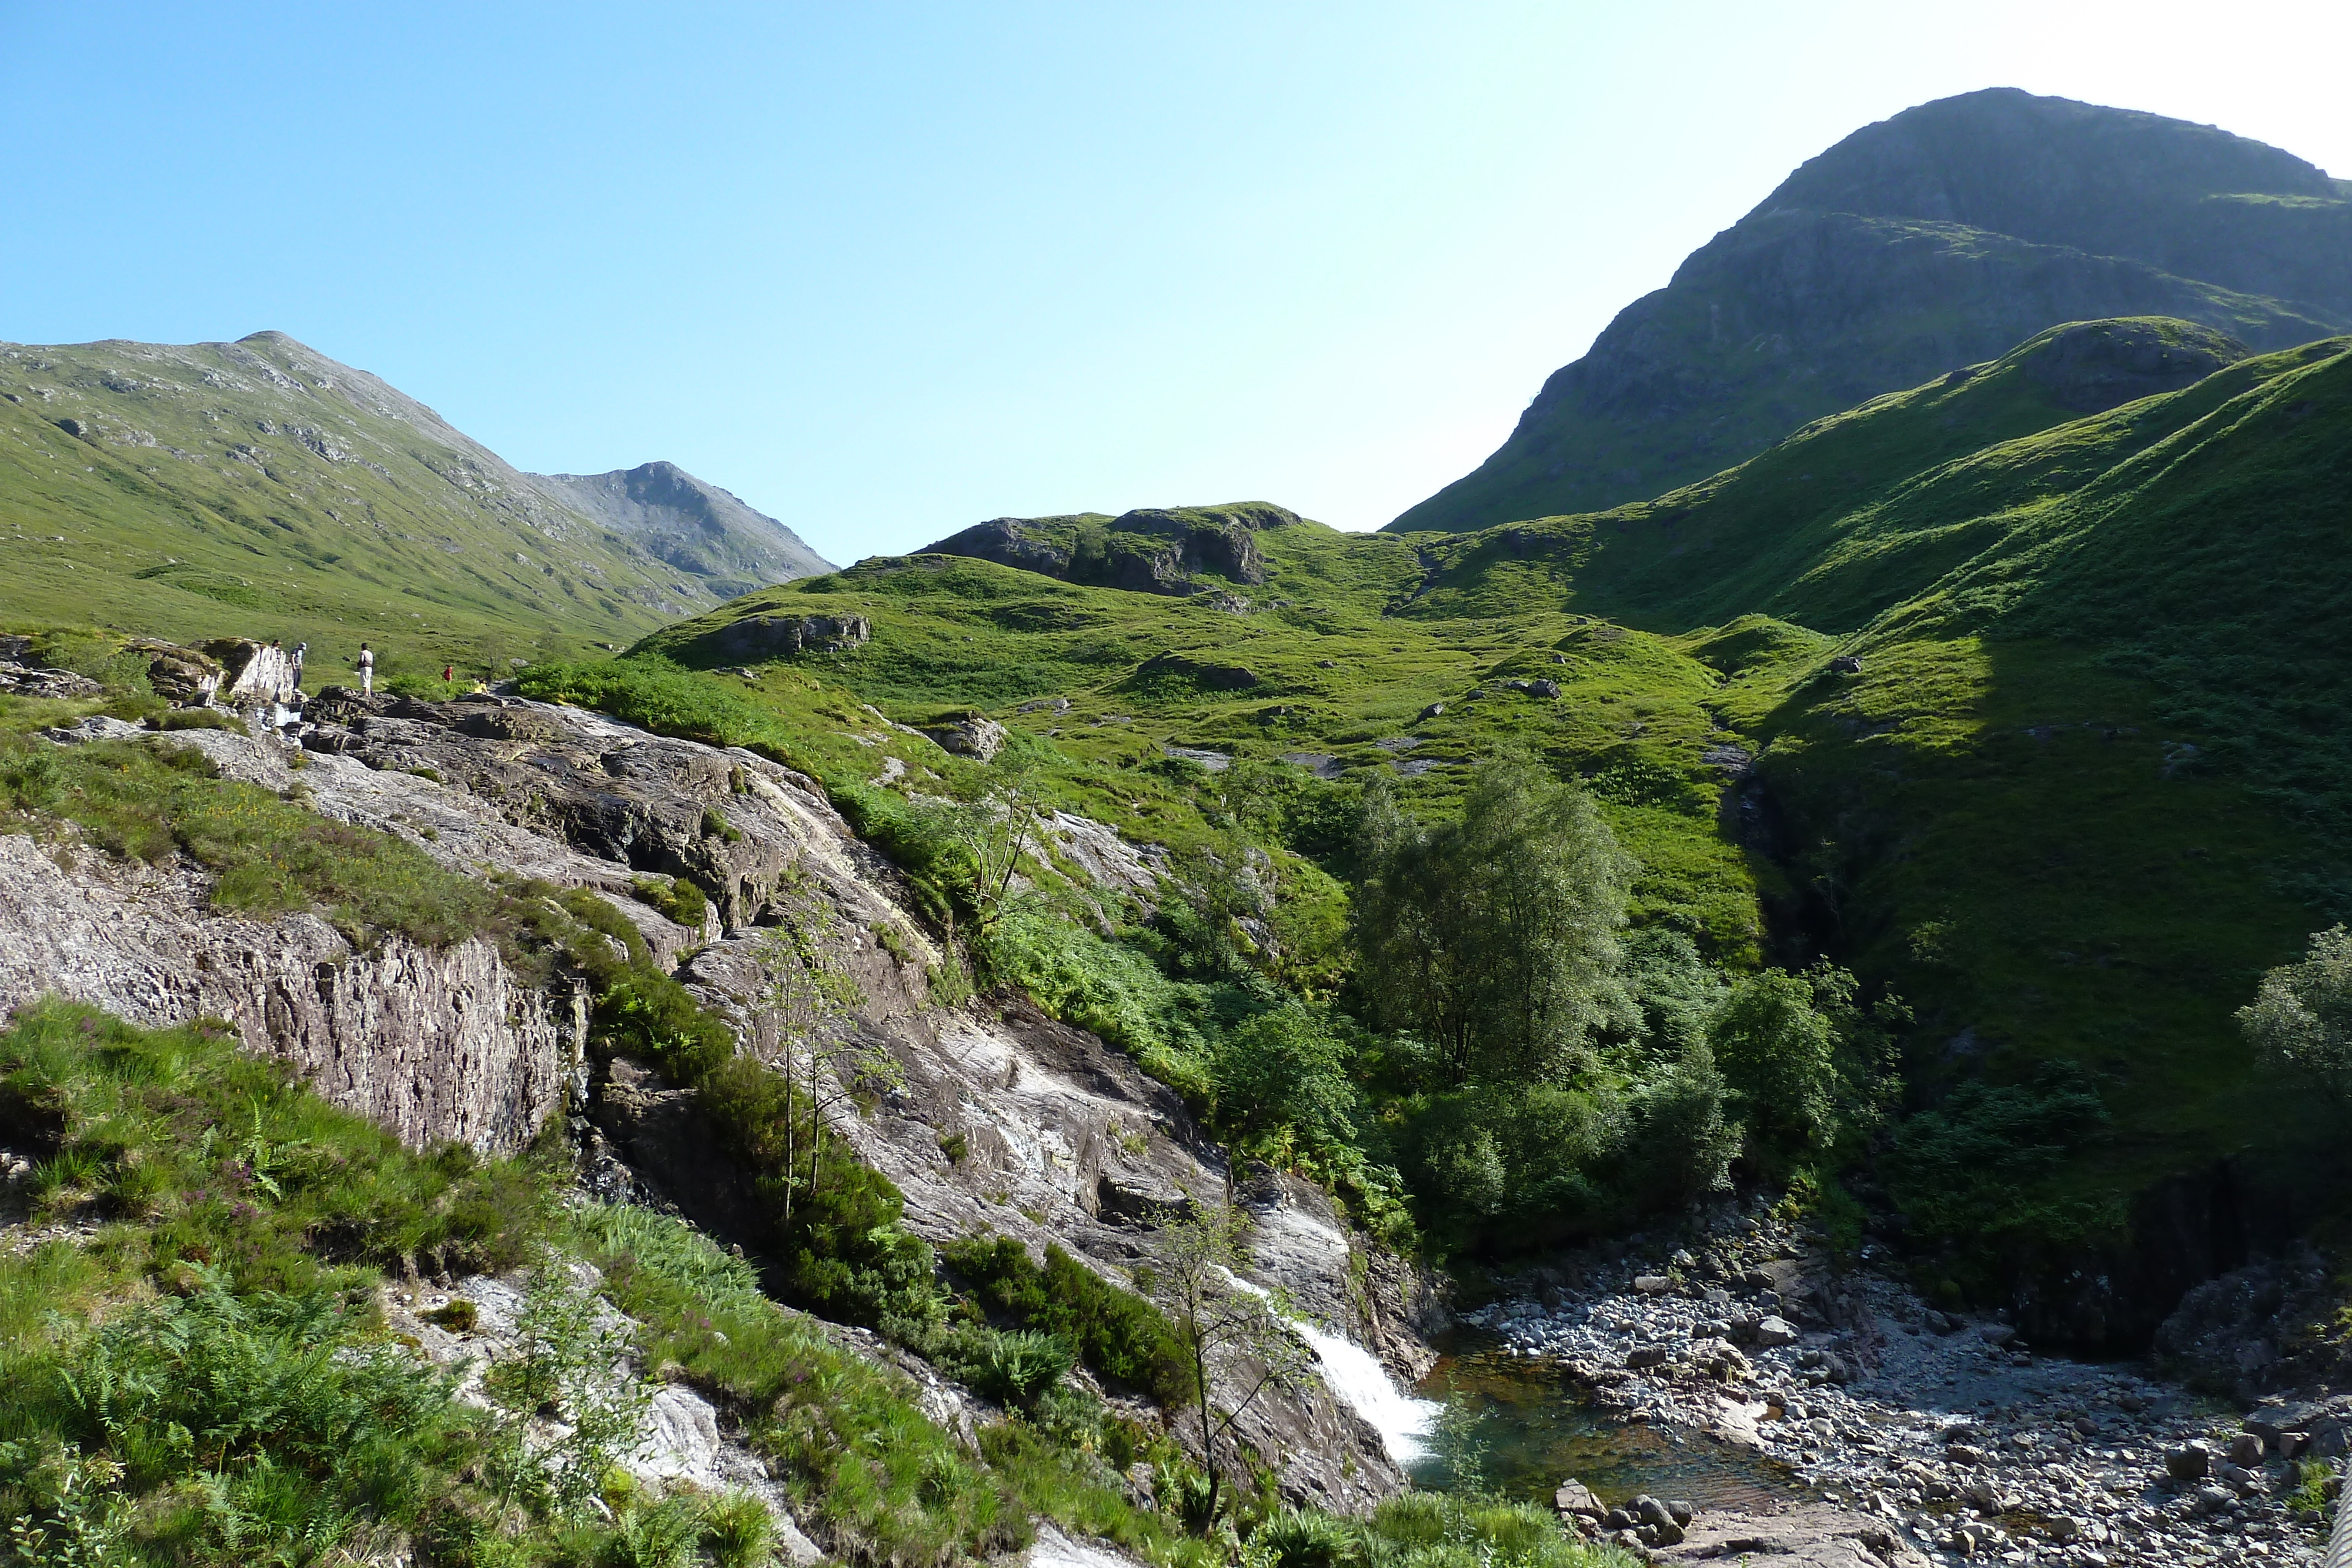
x,y
1808,1535
433,1043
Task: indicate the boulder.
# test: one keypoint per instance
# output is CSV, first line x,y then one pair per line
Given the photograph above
x,y
972,737
1432,710
2190,1461
1575,1499
1772,1332
1646,1355
2246,1448
1845,664
181,676
1652,1284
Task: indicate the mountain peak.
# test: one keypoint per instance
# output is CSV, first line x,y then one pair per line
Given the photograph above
x,y
1936,238
693,525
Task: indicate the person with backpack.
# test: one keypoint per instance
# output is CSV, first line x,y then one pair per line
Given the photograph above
x,y
367,670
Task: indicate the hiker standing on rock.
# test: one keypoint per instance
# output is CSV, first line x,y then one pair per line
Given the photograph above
x,y
299,649
367,670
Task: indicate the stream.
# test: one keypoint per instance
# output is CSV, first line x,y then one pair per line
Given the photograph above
x,y
1536,1429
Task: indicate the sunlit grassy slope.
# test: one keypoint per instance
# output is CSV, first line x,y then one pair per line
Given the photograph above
x,y
260,489
1341,681
2086,784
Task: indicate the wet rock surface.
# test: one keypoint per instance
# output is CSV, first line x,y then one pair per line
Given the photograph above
x,y
1916,1436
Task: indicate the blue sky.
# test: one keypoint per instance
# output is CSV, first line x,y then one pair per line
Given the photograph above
x,y
886,269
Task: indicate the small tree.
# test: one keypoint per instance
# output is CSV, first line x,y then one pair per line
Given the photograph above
x,y
2301,1018
805,990
1781,1056
992,830
1494,938
1234,1343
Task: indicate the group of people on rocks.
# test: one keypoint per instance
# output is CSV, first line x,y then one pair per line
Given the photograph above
x,y
364,664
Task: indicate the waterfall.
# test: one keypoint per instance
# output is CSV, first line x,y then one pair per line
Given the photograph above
x,y
1358,1380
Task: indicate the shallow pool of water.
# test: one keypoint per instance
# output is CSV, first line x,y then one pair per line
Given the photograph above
x,y
1538,1431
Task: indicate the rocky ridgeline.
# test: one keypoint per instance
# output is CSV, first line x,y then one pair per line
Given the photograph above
x,y
1914,1435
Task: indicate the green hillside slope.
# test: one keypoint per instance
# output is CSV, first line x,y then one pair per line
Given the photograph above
x,y
2081,787
259,489
1309,662
1936,239
2089,779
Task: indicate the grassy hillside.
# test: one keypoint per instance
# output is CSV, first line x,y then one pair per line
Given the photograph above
x,y
2088,781
2081,790
258,488
1337,679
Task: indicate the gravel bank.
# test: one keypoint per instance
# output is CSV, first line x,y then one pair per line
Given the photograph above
x,y
1965,1443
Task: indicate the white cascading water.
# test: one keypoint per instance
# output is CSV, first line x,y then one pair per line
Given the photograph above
x,y
1358,1380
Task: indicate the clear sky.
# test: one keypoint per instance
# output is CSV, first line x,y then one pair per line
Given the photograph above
x,y
886,269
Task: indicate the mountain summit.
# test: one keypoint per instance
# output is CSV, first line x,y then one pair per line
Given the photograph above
x,y
1937,239
696,527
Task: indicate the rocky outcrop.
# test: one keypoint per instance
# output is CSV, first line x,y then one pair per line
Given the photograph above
x,y
434,1043
2090,367
756,638
253,674
1056,1138
32,680
1151,550
971,736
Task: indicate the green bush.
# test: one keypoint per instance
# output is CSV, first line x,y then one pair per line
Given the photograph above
x,y
1295,1540
183,718
1106,987
1116,1332
676,899
1963,1171
302,1423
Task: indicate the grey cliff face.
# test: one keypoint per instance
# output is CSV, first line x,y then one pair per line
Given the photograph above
x,y
1940,239
1062,1139
435,1045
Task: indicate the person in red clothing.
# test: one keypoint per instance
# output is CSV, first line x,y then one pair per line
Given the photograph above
x,y
448,674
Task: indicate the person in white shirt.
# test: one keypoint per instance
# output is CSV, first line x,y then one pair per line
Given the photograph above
x,y
367,670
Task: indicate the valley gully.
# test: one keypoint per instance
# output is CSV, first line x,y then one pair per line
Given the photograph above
x,y
1916,1436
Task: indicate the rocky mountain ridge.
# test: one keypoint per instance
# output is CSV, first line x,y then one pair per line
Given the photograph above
x,y
693,525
